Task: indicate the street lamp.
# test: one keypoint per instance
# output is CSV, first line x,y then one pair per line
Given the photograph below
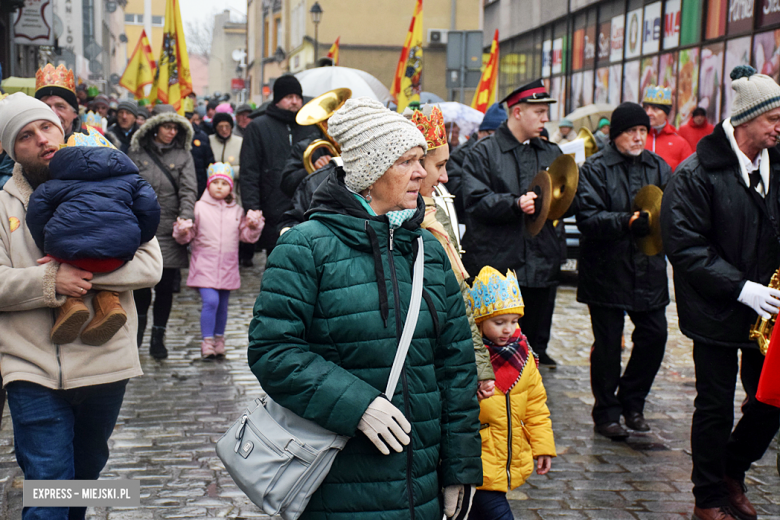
x,y
316,17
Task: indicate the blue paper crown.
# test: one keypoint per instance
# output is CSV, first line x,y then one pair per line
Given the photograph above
x,y
493,294
657,95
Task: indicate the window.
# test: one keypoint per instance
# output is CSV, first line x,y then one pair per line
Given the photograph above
x,y
158,20
129,18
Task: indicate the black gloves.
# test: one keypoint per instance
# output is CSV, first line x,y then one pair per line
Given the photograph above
x,y
640,226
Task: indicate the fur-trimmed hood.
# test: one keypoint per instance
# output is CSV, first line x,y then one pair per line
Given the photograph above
x,y
143,137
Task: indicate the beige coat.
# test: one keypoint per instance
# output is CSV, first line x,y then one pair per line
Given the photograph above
x,y
228,152
28,301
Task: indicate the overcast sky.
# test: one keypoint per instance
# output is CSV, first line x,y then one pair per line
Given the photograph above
x,y
205,9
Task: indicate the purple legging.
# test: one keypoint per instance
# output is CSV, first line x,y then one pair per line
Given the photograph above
x,y
213,316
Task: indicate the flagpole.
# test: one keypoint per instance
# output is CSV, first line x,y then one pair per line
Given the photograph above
x,y
148,19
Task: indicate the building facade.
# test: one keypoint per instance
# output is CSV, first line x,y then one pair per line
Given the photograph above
x,y
371,36
227,37
609,51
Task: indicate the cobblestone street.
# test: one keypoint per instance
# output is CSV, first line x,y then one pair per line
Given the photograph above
x,y
173,415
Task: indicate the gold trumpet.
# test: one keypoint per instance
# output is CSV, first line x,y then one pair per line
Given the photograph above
x,y
762,330
590,142
317,112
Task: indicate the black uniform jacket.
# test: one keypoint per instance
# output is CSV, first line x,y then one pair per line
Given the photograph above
x,y
497,171
718,237
613,272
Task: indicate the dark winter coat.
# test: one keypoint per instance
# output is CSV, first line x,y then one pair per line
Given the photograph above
x,y
496,173
6,168
294,171
95,206
612,270
325,330
202,157
119,137
268,141
303,196
455,173
175,201
717,238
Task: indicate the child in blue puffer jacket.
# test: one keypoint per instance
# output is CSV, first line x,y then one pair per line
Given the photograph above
x,y
93,213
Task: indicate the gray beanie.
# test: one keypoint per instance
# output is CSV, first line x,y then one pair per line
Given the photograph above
x,y
372,138
130,106
17,111
755,94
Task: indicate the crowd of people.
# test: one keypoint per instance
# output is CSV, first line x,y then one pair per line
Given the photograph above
x,y
469,421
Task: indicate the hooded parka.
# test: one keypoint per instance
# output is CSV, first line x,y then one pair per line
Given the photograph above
x,y
717,238
325,330
497,171
175,201
268,141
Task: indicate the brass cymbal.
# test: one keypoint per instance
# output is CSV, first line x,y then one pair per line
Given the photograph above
x,y
564,176
649,200
542,186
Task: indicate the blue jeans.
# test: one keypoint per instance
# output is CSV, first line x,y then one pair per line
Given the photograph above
x,y
62,435
490,505
213,316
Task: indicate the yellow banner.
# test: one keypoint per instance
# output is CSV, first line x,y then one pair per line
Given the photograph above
x,y
173,81
333,53
140,69
485,95
408,74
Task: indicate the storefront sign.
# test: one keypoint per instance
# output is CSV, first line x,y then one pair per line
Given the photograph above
x,y
604,41
577,51
672,17
34,22
557,56
617,37
768,13
70,12
740,17
633,34
651,34
546,58
589,49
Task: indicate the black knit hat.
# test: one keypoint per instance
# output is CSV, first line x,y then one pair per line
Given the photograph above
x,y
286,85
627,115
220,117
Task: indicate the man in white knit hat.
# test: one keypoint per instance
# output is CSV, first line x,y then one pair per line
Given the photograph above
x,y
720,220
64,399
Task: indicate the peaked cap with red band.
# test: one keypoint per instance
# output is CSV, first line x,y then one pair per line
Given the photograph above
x,y
534,92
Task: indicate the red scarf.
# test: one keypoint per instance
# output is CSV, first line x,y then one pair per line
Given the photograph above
x,y
509,361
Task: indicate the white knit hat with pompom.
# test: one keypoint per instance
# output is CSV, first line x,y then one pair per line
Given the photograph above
x,y
371,138
755,94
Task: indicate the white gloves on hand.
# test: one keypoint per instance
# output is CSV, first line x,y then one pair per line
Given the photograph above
x,y
384,420
457,501
762,299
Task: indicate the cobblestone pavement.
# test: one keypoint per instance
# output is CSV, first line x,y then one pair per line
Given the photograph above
x,y
173,415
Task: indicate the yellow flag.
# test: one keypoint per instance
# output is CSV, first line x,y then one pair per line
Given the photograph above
x,y
333,53
172,82
485,95
408,74
140,69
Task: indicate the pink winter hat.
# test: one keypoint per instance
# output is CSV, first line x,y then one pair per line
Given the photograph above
x,y
220,171
224,108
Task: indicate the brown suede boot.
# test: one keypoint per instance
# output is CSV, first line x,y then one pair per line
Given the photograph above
x,y
712,513
70,317
109,318
740,505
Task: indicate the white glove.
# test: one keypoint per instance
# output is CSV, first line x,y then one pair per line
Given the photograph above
x,y
762,299
384,420
457,501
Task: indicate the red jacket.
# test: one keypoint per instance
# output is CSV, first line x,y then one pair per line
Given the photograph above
x,y
693,133
669,145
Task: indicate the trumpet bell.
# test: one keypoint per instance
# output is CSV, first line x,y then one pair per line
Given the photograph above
x,y
322,107
648,199
590,142
564,179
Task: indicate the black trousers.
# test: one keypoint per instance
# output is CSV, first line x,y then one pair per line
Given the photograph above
x,y
717,450
163,298
616,395
537,318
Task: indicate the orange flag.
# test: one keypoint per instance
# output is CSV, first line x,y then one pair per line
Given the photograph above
x,y
407,83
333,53
140,68
485,95
173,82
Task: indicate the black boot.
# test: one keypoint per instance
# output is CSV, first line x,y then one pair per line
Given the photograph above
x,y
157,348
141,328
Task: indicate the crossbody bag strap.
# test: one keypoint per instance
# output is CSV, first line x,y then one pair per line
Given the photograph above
x,y
165,170
411,320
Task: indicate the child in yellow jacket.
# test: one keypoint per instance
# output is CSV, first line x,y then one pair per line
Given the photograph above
x,y
515,423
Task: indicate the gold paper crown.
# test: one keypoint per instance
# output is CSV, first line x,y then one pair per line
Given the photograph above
x,y
493,294
51,77
94,139
432,127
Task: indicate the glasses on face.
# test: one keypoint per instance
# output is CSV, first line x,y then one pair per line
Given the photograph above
x,y
170,127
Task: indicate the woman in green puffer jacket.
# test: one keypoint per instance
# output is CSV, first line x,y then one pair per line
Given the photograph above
x,y
327,323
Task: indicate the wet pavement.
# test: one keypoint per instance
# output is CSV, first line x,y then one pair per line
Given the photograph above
x,y
173,415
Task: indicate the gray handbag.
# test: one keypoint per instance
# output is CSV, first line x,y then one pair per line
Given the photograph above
x,y
278,458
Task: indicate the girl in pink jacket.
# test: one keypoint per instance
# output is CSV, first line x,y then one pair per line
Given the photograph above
x,y
219,225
